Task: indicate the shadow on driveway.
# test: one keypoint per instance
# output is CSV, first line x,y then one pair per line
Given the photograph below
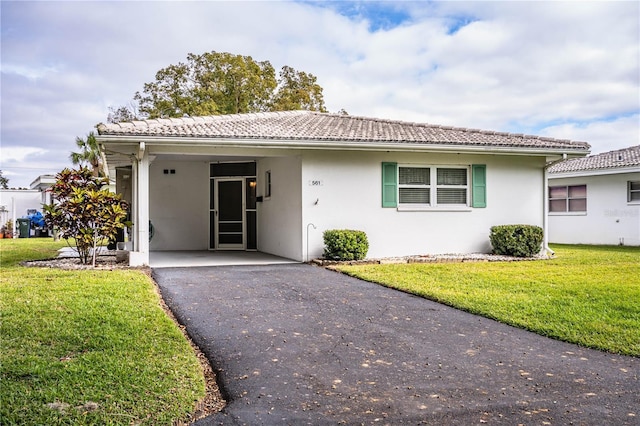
x,y
298,344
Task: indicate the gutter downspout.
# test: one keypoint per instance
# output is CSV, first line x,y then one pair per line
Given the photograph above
x,y
545,203
545,215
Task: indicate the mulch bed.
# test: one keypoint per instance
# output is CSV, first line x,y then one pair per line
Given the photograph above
x,y
432,258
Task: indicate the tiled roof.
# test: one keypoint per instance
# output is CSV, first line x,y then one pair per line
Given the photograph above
x,y
628,157
322,127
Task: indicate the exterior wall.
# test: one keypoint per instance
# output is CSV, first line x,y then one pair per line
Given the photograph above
x,y
609,219
343,190
14,203
179,205
279,216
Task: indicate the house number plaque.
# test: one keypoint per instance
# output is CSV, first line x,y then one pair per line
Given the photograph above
x,y
315,183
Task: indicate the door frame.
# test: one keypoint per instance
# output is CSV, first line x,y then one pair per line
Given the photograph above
x,y
216,209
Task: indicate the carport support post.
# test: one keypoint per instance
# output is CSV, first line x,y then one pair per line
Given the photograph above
x,y
140,255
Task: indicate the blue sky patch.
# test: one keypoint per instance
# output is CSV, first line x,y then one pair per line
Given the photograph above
x,y
384,15
455,24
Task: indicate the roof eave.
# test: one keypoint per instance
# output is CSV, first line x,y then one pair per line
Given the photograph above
x,y
595,172
322,144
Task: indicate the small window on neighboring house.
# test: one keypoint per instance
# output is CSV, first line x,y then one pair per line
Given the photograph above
x,y
633,192
568,199
267,184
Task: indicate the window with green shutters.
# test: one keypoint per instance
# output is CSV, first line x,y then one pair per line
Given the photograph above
x,y
431,186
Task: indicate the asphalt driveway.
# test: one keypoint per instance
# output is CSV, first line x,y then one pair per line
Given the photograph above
x,y
298,344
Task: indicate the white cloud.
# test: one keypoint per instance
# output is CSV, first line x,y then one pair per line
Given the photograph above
x,y
603,135
13,154
532,67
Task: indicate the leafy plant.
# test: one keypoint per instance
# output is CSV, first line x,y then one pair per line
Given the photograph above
x,y
516,240
85,211
7,229
345,244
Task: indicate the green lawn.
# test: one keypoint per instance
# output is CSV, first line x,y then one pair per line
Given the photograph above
x,y
96,344
588,295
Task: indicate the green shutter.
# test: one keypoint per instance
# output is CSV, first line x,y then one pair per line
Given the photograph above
x,y
389,185
479,185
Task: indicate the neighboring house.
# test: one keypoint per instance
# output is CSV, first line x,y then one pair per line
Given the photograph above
x,y
15,203
596,199
275,181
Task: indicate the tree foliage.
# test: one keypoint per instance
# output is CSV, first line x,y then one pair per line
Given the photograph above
x,y
222,83
123,113
297,90
89,154
85,211
4,181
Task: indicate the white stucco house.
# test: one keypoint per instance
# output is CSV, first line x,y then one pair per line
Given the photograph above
x,y
596,199
15,203
275,181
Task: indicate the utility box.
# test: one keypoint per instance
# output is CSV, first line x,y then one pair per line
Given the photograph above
x,y
24,228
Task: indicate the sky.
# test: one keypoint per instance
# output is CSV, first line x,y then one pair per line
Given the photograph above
x,y
568,70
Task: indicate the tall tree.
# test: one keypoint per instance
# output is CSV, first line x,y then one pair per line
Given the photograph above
x,y
123,113
297,90
224,83
4,182
89,154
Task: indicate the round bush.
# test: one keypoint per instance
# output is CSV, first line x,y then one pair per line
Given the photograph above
x,y
345,244
516,240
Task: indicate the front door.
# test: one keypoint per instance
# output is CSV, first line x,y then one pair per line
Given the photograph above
x,y
229,223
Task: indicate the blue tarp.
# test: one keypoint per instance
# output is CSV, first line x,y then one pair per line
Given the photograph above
x,y
36,219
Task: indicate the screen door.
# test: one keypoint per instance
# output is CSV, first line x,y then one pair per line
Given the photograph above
x,y
229,214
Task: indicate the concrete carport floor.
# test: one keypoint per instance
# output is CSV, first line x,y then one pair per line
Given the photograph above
x,y
190,258
299,344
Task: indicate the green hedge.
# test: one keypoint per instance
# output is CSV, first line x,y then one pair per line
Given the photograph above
x,y
345,244
516,240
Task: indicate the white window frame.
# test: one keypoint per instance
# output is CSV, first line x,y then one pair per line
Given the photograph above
x,y
267,184
433,189
633,191
567,199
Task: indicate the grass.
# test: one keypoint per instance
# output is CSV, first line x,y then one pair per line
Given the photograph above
x,y
96,344
587,295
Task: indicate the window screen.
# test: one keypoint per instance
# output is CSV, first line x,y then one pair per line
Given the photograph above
x,y
570,198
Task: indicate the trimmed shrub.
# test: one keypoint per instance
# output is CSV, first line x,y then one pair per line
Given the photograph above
x,y
345,244
516,240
